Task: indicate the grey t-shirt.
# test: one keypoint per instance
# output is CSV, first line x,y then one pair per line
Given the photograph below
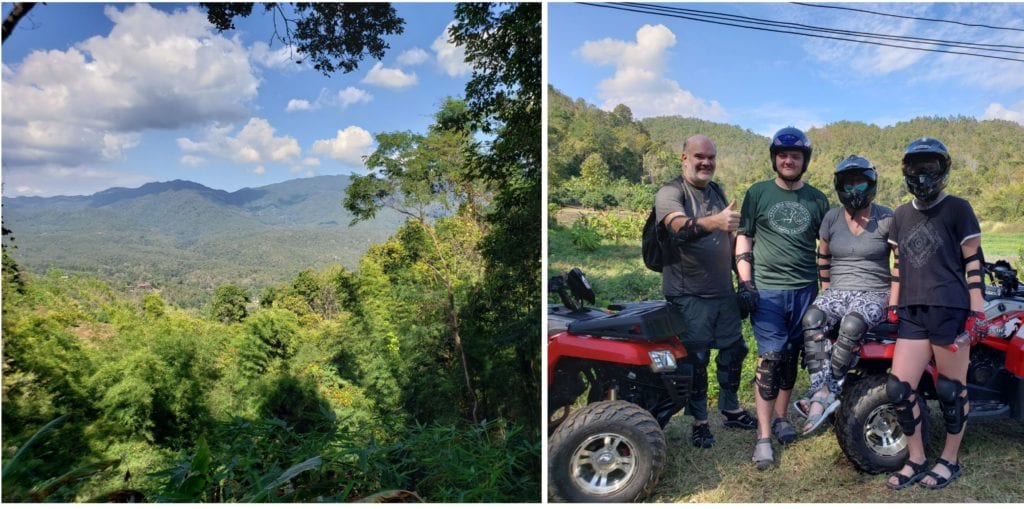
x,y
859,262
701,267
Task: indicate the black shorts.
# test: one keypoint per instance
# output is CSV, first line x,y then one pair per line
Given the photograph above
x,y
940,324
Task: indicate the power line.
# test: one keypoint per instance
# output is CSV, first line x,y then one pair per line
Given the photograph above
x,y
908,17
632,8
814,28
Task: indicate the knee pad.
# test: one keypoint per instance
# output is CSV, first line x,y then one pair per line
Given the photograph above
x,y
903,399
846,351
730,365
790,368
815,343
953,403
699,360
768,377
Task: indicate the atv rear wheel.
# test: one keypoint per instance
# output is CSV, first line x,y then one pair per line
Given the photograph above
x,y
867,429
609,451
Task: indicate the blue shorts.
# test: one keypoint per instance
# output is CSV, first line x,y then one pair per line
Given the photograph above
x,y
939,324
777,322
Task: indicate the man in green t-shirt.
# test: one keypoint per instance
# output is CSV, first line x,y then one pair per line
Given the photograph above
x,y
775,260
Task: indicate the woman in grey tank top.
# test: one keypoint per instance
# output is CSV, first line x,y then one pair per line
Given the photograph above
x,y
853,267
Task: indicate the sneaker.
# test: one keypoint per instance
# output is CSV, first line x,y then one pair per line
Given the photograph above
x,y
740,419
702,436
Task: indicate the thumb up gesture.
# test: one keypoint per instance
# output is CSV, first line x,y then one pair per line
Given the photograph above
x,y
728,219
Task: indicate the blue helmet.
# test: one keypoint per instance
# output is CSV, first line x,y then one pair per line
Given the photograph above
x,y
926,185
790,138
854,197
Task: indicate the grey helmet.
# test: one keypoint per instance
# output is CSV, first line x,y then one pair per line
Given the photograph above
x,y
926,186
790,138
855,199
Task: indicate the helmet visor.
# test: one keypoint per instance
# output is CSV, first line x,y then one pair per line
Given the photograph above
x,y
924,167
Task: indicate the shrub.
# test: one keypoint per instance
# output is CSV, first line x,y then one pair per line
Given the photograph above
x,y
584,236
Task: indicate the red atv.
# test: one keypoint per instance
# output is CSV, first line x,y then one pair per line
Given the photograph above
x,y
866,425
628,361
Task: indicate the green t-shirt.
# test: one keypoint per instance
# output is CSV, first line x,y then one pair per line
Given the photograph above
x,y
784,227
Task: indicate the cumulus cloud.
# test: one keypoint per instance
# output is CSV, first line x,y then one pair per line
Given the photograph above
x,y
282,59
348,146
343,98
353,95
256,143
298,105
87,105
997,111
389,77
414,56
639,80
450,57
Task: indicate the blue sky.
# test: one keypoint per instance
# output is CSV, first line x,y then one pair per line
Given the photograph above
x,y
104,95
764,81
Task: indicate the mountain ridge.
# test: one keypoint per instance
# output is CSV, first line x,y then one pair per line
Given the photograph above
x,y
188,238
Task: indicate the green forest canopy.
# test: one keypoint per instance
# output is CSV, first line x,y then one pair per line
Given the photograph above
x,y
988,155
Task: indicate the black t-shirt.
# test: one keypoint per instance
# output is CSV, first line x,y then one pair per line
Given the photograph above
x,y
931,261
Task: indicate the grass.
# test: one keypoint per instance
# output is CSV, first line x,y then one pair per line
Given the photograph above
x,y
813,469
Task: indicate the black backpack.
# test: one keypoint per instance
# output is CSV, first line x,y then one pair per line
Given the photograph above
x,y
656,242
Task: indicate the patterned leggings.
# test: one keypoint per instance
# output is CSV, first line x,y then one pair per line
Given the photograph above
x,y
836,304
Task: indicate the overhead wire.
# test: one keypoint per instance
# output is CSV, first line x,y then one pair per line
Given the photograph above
x,y
787,24
761,25
977,25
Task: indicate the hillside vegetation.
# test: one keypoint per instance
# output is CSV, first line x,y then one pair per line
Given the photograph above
x,y
186,239
599,159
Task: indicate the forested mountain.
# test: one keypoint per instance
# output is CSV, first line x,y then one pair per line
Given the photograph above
x,y
186,239
988,155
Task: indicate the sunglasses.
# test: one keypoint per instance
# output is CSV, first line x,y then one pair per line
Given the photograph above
x,y
856,188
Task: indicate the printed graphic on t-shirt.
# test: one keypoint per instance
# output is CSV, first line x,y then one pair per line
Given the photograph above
x,y
922,242
789,217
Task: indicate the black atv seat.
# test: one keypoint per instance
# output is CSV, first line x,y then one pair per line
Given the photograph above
x,y
650,320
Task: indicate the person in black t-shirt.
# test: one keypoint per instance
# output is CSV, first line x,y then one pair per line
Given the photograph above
x,y
936,238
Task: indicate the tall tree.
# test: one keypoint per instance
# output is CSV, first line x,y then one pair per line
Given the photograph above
x,y
503,46
413,173
333,36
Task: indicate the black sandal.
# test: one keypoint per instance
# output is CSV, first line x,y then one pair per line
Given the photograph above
x,y
783,431
740,419
940,481
920,470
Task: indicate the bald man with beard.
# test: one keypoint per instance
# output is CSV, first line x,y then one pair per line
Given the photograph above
x,y
697,281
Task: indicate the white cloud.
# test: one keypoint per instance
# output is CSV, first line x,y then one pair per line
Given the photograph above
x,y
638,81
255,143
414,56
997,111
89,104
450,57
343,99
298,105
353,95
311,161
349,146
389,77
192,160
282,59
54,180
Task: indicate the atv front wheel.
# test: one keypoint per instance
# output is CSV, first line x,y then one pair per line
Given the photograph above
x,y
609,451
867,429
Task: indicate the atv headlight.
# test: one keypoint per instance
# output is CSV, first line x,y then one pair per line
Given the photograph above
x,y
662,361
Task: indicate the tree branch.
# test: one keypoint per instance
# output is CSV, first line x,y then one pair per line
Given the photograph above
x,y
19,11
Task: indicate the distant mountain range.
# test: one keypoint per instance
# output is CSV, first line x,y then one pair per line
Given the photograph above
x,y
185,238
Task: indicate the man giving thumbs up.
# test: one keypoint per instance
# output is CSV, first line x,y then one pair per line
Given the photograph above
x,y
697,281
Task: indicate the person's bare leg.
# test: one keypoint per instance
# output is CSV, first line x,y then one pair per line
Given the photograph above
x,y
908,363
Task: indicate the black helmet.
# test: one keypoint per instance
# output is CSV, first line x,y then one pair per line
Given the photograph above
x,y
853,198
791,138
926,185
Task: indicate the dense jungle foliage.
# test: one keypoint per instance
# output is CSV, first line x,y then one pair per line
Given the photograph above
x,y
601,159
415,377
